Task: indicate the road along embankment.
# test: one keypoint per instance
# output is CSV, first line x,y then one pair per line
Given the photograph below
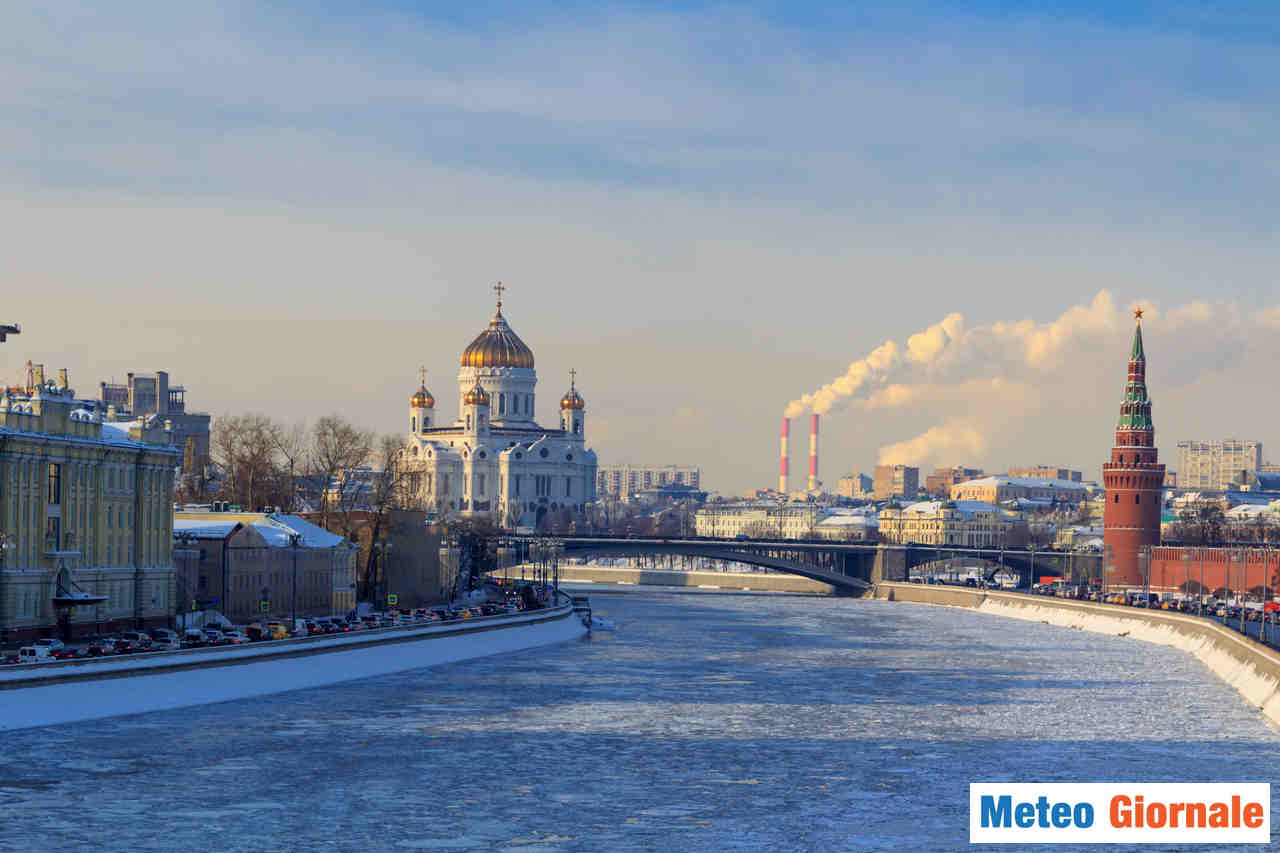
x,y
1248,666
768,581
75,690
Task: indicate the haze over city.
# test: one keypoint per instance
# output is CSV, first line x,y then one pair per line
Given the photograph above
x,y
708,213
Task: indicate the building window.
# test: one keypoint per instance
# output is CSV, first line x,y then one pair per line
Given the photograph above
x,y
55,483
502,404
480,484
1137,499
568,486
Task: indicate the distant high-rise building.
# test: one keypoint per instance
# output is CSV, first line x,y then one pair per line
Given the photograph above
x,y
621,480
942,479
855,485
151,394
1216,465
896,481
1047,472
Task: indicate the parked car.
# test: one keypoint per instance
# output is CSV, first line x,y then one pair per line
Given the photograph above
x,y
100,646
166,642
53,644
140,641
35,654
193,638
232,638
277,630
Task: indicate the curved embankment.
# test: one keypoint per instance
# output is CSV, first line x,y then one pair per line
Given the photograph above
x,y
70,691
1248,666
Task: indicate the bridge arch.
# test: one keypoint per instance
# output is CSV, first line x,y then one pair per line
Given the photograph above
x,y
749,554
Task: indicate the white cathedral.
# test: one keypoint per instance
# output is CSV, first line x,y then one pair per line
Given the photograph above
x,y
495,461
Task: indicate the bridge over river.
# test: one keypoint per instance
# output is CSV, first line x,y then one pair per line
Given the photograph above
x,y
851,568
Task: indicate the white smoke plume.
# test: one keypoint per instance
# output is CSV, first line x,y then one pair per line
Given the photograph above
x,y
978,385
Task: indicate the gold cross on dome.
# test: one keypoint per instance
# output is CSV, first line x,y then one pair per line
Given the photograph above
x,y
573,378
499,288
422,375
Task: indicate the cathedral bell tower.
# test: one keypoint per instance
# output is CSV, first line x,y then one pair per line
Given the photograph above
x,y
572,408
475,411
1134,478
421,407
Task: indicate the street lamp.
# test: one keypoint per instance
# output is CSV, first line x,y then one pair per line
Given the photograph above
x,y
5,540
1186,571
1235,557
1244,588
294,540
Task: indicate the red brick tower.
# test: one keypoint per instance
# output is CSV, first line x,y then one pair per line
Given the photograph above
x,y
1133,478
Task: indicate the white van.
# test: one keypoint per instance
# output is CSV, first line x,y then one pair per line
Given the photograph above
x,y
35,654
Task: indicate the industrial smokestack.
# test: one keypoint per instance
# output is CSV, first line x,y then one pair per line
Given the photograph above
x,y
784,467
813,453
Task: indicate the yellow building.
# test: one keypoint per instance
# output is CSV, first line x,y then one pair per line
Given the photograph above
x,y
995,490
757,520
967,524
85,516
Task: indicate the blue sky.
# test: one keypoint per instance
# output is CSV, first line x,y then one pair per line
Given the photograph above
x,y
712,208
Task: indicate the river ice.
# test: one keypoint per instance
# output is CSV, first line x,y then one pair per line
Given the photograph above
x,y
704,722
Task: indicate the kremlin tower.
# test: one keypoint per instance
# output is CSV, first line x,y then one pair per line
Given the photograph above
x,y
1134,479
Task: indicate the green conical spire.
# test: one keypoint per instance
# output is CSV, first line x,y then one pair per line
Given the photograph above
x,y
1135,409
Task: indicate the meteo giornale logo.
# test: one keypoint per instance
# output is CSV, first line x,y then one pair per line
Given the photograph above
x,y
1120,813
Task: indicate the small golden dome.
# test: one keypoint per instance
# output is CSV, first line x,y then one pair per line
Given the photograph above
x,y
497,346
572,400
477,396
422,399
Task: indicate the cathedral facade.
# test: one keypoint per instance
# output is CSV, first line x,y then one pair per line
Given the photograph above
x,y
494,461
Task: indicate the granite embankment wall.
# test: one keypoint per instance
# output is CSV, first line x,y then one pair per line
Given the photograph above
x,y
1248,666
710,580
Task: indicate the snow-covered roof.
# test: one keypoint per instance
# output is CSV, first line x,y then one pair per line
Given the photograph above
x,y
965,507
1249,511
846,521
201,529
116,430
277,528
1024,482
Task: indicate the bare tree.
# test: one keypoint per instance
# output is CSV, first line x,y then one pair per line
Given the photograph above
x,y
386,493
337,449
291,445
244,448
1201,524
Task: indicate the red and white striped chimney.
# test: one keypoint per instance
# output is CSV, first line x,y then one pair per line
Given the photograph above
x,y
813,452
784,467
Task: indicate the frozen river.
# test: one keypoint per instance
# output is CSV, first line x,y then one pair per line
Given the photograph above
x,y
705,722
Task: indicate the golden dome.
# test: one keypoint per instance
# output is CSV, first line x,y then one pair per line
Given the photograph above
x,y
422,399
477,396
497,346
572,400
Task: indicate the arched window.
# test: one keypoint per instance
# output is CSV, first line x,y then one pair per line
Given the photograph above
x,y
502,404
468,421
1137,499
1117,499
414,422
